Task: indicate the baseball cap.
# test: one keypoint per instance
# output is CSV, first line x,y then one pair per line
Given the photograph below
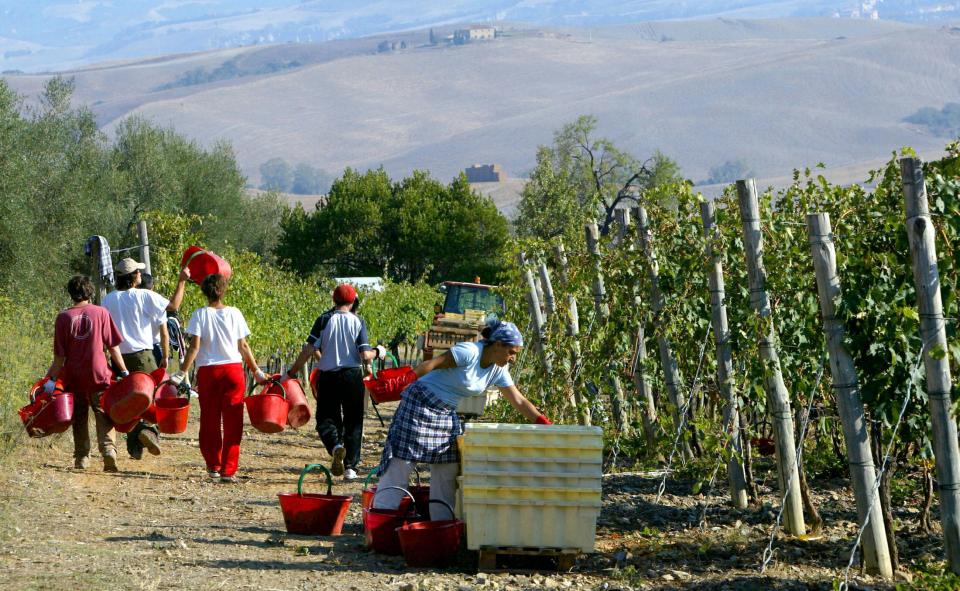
x,y
344,294
128,265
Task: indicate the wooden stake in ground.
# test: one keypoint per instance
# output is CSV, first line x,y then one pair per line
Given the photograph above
x,y
936,363
576,383
549,301
641,381
778,400
671,370
99,289
721,335
561,255
539,325
846,387
599,291
144,246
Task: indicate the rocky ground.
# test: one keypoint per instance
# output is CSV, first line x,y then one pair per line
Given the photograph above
x,y
162,524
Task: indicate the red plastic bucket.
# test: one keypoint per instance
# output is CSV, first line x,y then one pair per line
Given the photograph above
x,y
314,514
431,543
47,413
387,385
268,412
299,413
172,414
314,381
128,398
202,263
380,525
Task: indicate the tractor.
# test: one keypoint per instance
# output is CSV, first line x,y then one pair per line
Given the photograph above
x,y
462,315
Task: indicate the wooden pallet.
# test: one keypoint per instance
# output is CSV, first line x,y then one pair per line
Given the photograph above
x,y
564,557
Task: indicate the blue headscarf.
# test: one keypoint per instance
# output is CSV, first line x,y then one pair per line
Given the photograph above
x,y
503,332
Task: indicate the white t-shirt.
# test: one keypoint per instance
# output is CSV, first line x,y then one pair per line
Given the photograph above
x,y
467,378
135,312
219,330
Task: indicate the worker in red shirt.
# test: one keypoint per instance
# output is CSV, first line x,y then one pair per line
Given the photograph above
x,y
81,334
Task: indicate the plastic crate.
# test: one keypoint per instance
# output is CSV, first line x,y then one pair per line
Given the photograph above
x,y
534,441
530,524
564,480
586,497
474,464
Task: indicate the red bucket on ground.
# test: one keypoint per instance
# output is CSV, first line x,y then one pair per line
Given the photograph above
x,y
388,384
431,543
313,514
380,525
127,399
202,263
47,413
268,411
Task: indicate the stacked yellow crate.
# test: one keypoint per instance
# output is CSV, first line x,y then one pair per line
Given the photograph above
x,y
531,486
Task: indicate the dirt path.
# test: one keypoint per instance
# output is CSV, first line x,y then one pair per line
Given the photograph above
x,y
162,524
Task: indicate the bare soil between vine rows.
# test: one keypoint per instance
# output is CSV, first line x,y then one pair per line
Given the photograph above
x,y
162,524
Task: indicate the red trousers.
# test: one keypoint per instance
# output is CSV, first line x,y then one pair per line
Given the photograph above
x,y
221,403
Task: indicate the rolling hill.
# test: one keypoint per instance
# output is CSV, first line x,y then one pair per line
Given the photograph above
x,y
777,94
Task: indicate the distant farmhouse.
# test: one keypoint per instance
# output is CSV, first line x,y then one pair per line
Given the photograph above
x,y
485,173
462,36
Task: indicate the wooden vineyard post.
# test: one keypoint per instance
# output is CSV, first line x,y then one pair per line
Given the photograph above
x,y
641,382
622,217
936,362
876,553
576,384
549,301
536,315
721,332
144,246
561,255
599,291
99,289
671,370
778,400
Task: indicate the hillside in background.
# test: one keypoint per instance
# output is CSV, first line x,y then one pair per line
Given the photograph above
x,y
59,34
773,94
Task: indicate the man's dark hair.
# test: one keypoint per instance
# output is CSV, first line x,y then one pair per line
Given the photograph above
x,y
80,288
126,281
146,280
214,286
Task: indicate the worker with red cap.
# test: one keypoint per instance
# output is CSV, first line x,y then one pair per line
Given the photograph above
x,y
340,338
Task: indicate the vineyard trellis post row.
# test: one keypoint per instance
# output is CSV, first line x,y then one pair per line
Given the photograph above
x,y
846,387
778,400
599,291
721,332
923,254
671,370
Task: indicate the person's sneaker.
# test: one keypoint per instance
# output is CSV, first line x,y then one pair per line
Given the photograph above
x,y
213,474
150,440
349,475
110,463
228,479
338,454
81,463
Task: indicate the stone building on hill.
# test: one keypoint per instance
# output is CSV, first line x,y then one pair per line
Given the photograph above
x,y
485,173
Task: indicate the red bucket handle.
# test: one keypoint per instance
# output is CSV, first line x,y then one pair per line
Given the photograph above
x,y
413,501
270,380
445,504
191,257
310,468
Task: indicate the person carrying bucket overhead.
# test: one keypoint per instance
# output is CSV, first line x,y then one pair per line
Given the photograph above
x,y
218,343
340,337
81,333
136,312
426,425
